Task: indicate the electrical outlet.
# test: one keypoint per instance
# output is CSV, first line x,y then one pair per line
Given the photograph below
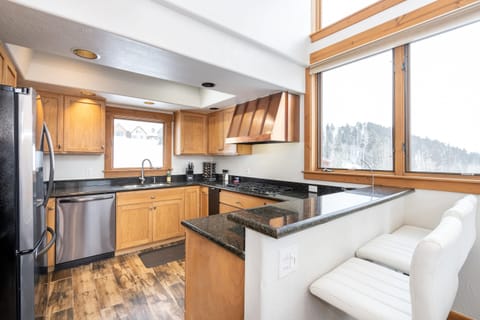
x,y
288,261
313,189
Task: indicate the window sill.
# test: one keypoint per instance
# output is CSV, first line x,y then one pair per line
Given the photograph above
x,y
133,172
418,181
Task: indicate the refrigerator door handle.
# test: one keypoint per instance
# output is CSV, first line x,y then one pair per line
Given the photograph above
x,y
49,244
46,133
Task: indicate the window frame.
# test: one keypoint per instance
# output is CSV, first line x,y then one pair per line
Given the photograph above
x,y
400,177
112,113
320,32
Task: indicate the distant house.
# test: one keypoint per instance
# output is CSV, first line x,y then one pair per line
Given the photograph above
x,y
139,133
120,131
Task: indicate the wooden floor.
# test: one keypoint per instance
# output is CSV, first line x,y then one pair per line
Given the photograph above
x,y
116,288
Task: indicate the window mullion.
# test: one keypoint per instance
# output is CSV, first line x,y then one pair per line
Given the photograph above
x,y
399,110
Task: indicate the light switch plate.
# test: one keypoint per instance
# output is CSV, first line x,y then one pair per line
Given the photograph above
x,y
313,189
288,261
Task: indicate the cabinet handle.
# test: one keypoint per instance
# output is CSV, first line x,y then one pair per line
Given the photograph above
x,y
49,208
154,208
152,197
59,146
103,147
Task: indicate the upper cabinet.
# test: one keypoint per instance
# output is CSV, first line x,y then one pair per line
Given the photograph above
x,y
77,125
84,125
53,116
218,125
190,133
8,74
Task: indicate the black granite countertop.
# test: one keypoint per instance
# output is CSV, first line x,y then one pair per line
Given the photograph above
x,y
285,218
219,229
98,186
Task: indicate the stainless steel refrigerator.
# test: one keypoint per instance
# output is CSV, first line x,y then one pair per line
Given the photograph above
x,y
23,198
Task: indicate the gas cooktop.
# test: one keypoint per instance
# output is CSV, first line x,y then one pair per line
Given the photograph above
x,y
261,188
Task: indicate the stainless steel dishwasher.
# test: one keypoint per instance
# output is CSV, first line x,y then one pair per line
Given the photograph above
x,y
85,227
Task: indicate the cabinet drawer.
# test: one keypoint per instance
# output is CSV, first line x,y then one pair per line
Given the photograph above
x,y
149,195
225,208
243,201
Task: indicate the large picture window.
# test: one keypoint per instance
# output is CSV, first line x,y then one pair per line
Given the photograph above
x,y
132,136
410,118
356,115
444,103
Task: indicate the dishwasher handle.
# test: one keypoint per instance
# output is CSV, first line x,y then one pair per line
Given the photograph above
x,y
86,199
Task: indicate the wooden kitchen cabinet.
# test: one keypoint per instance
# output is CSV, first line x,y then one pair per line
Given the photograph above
x,y
147,216
51,223
53,117
218,125
84,125
192,202
168,211
203,201
133,225
233,201
190,133
214,281
8,73
77,125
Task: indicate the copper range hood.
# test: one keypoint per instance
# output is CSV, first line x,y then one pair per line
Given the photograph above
x,y
269,119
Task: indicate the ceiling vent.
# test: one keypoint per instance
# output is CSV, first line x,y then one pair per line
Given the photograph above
x,y
269,119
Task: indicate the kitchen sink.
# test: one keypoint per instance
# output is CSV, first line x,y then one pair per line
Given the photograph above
x,y
143,186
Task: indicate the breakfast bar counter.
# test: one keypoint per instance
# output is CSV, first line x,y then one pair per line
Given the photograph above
x,y
284,218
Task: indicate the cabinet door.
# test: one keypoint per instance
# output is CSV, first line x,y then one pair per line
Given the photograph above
x,y
53,116
190,133
230,148
167,215
8,74
51,224
133,225
203,201
84,123
192,202
215,133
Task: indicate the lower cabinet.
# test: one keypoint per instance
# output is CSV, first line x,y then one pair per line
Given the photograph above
x,y
148,216
133,224
233,201
192,202
51,224
167,215
203,201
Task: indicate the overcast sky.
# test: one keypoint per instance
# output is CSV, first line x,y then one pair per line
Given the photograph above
x,y
445,89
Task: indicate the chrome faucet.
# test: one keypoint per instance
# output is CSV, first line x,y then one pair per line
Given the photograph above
x,y
369,165
142,177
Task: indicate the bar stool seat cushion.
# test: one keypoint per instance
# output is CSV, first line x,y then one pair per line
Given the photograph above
x,y
394,250
365,290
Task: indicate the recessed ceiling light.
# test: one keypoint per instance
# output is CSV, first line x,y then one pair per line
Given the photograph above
x,y
208,84
87,93
85,54
149,102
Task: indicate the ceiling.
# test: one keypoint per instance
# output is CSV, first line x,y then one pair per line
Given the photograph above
x,y
130,71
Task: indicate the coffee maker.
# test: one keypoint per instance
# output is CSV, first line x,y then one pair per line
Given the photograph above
x,y
189,171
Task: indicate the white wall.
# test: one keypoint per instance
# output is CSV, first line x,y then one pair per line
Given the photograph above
x,y
323,247
75,167
320,249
